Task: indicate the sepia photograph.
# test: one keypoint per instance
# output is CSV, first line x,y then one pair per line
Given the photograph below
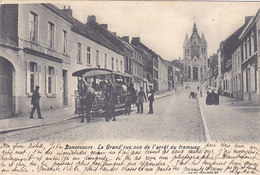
x,y
129,87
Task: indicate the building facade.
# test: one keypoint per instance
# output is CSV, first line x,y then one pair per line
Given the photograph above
x,y
236,74
41,45
195,56
162,75
250,60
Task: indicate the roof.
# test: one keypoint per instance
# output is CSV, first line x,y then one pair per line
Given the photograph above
x,y
107,35
232,42
83,29
98,71
7,42
249,25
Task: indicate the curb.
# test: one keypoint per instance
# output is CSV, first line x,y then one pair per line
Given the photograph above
x,y
204,123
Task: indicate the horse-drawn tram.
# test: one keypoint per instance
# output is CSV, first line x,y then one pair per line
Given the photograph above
x,y
100,91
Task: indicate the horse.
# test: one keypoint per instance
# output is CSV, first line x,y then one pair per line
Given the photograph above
x,y
110,101
87,97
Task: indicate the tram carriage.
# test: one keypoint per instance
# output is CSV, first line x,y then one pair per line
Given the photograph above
x,y
97,78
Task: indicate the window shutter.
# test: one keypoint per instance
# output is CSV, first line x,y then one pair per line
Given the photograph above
x,y
55,80
27,77
46,79
39,77
252,78
244,81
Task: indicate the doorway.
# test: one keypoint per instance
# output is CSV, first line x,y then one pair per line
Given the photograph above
x,y
6,88
195,73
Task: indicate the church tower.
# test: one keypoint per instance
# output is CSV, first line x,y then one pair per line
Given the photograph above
x,y
195,56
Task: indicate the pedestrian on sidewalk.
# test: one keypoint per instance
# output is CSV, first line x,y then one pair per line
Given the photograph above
x,y
151,99
209,97
140,100
128,103
214,97
36,103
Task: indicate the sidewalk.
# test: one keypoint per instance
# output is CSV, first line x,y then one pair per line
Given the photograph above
x,y
23,121
50,117
230,121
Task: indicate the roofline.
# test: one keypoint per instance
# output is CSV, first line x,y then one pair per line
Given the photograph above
x,y
163,61
250,23
56,10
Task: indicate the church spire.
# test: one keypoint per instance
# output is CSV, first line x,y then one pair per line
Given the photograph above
x,y
194,27
203,37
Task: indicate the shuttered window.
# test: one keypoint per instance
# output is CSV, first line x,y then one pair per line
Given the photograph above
x,y
51,80
33,74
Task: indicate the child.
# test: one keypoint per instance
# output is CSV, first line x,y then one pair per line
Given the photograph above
x,y
128,103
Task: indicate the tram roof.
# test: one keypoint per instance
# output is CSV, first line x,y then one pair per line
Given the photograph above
x,y
91,72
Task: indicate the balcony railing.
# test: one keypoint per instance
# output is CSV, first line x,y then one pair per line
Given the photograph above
x,y
43,50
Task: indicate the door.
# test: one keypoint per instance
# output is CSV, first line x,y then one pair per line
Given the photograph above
x,y
195,73
6,88
65,87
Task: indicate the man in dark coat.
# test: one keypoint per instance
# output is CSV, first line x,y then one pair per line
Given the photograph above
x,y
36,103
151,99
110,101
141,97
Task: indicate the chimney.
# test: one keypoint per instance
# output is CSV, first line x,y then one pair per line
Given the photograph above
x,y
91,18
135,40
247,18
125,38
104,25
68,10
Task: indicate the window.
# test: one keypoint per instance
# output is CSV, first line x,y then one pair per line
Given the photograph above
x,y
121,66
33,71
33,76
33,26
88,55
97,58
64,41
244,51
105,60
130,65
186,51
51,35
248,48
79,52
252,44
252,78
112,63
117,65
126,63
238,60
51,80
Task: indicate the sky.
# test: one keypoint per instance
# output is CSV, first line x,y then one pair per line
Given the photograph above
x,y
162,25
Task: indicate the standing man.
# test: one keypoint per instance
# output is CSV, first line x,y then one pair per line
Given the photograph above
x,y
36,103
140,100
151,99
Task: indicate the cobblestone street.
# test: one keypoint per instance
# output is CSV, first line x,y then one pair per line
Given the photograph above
x,y
175,118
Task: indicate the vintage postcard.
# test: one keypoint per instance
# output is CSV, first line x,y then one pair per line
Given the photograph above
x,y
129,87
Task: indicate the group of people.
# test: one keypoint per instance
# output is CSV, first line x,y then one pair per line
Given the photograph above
x,y
212,96
109,91
138,99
